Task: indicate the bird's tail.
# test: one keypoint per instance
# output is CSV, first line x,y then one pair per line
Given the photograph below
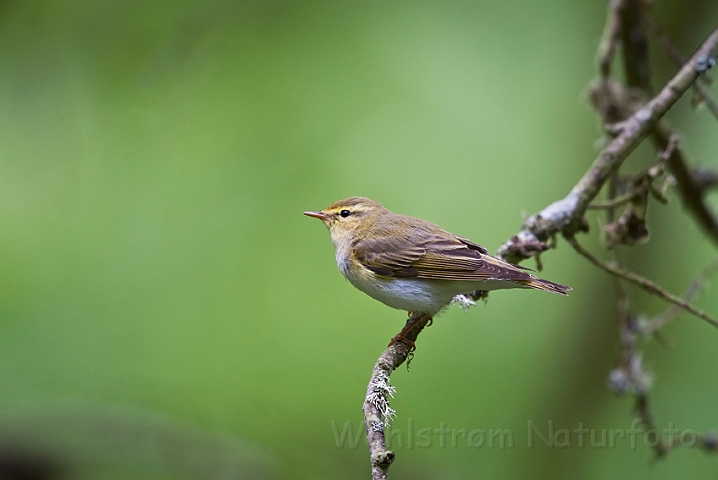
x,y
545,285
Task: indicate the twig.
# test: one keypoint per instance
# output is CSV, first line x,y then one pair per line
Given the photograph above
x,y
625,23
631,228
659,321
635,62
677,58
609,40
706,178
377,412
615,201
634,43
641,282
643,182
630,375
566,215
644,413
689,188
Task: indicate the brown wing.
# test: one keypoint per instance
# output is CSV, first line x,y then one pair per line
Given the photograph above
x,y
433,256
389,256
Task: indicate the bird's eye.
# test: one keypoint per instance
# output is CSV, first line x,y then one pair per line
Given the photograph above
x,y
345,213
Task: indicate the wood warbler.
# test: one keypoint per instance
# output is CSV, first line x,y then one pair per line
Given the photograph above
x,y
414,265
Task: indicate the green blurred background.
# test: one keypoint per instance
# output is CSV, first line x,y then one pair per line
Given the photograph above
x,y
167,312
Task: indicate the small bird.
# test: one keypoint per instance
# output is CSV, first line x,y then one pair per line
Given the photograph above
x,y
413,265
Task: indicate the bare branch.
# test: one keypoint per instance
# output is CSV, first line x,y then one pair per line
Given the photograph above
x,y
566,215
635,62
377,412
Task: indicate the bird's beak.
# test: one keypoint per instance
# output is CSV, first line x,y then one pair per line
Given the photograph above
x,y
319,215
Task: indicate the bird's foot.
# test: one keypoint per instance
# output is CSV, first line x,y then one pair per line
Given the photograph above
x,y
410,324
400,338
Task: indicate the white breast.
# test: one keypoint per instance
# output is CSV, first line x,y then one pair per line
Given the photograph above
x,y
342,255
409,294
412,295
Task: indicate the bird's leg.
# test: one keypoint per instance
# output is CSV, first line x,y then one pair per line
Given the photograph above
x,y
410,324
428,324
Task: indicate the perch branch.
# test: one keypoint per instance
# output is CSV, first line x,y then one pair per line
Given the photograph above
x,y
377,413
566,215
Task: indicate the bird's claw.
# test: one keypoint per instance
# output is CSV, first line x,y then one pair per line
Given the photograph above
x,y
400,338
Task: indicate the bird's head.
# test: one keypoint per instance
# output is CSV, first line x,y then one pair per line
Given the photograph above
x,y
349,218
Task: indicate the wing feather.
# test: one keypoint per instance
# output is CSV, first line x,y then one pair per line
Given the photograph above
x,y
432,256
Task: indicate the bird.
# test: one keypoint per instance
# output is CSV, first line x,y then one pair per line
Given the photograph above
x,y
414,265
